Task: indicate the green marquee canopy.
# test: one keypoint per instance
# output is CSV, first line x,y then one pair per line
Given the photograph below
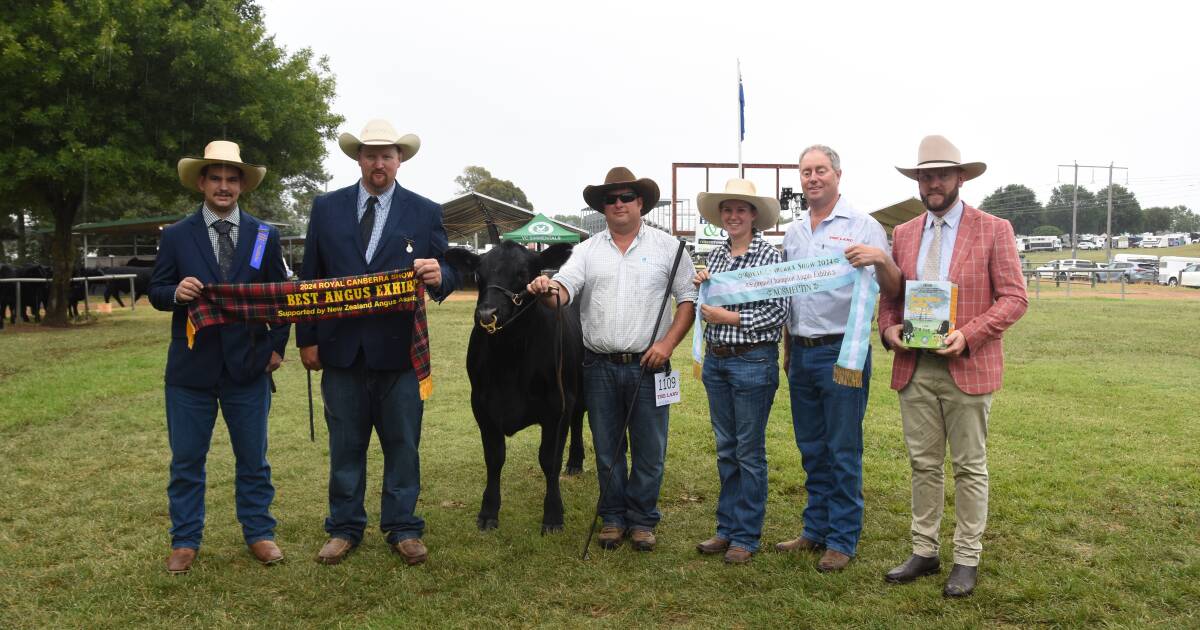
x,y
542,230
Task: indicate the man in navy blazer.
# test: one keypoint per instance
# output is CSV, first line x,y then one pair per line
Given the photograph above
x,y
369,382
230,364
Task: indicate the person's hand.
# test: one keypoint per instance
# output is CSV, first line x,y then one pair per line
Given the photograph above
x,y
310,358
956,343
718,315
861,255
428,271
274,363
700,278
188,289
542,285
657,355
891,335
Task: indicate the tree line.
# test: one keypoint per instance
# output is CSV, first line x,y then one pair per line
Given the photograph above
x,y
1021,207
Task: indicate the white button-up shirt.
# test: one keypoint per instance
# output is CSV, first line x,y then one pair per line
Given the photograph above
x,y
619,293
949,233
825,313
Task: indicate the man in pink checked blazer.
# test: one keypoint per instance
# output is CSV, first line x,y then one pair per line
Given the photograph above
x,y
946,395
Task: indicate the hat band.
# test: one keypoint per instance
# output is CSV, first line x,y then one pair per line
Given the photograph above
x,y
939,161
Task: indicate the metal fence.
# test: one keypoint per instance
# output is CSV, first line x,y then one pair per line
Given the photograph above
x,y
86,291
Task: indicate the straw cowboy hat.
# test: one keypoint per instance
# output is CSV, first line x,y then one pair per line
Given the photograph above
x,y
767,207
379,132
220,152
938,152
621,177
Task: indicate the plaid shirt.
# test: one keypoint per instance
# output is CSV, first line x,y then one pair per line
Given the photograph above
x,y
760,321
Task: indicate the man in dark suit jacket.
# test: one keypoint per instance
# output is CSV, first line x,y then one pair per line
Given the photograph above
x,y
369,382
230,364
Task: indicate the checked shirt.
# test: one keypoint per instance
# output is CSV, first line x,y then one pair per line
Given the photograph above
x,y
760,321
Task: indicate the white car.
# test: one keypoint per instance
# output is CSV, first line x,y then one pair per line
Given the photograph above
x,y
1071,266
1089,245
1190,276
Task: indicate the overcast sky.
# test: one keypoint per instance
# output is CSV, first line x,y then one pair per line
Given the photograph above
x,y
551,95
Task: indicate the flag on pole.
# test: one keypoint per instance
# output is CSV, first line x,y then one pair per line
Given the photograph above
x,y
741,104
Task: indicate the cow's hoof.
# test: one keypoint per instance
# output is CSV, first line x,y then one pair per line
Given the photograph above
x,y
485,523
548,528
574,470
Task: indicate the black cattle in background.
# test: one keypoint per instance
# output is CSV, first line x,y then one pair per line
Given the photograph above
x,y
34,295
8,294
115,287
78,290
138,262
513,370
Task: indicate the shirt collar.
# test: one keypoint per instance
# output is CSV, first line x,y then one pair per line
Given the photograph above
x,y
951,218
364,194
211,217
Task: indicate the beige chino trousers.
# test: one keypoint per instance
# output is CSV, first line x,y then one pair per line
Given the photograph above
x,y
936,412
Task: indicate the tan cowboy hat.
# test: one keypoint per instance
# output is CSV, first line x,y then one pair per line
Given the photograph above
x,y
379,132
621,177
767,207
220,152
938,152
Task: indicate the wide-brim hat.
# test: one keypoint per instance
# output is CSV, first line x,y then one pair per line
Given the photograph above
x,y
938,152
621,177
767,208
220,152
379,132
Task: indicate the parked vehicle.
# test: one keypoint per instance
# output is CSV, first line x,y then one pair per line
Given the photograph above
x,y
1141,259
1068,268
1153,241
1134,272
1190,276
1089,245
1170,266
1038,243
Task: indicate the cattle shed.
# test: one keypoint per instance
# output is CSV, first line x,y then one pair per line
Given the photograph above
x,y
142,234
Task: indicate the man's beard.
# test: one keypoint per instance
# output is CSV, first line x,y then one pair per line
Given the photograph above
x,y
948,201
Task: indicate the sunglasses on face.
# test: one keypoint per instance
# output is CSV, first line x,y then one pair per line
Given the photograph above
x,y
625,197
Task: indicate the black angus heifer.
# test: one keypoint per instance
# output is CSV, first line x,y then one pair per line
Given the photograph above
x,y
514,360
34,295
115,287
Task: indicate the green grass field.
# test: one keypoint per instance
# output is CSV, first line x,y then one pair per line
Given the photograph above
x,y
1095,500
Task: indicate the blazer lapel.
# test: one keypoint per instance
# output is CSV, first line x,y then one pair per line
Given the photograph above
x,y
200,234
247,234
393,220
967,228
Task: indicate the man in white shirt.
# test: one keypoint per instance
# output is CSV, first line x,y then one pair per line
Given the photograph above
x,y
827,416
618,277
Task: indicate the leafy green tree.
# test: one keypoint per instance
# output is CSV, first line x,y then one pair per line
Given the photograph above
x,y
1127,212
1184,220
114,92
1157,219
480,180
1058,210
1047,230
569,219
1016,203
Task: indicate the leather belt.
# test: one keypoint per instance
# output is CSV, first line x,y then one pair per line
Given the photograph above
x,y
622,358
813,342
738,350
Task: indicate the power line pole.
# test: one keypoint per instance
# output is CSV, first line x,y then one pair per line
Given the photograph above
x,y
1075,202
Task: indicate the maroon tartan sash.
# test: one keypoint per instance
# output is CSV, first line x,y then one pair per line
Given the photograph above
x,y
315,300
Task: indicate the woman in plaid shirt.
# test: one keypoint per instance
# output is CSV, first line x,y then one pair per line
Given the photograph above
x,y
741,368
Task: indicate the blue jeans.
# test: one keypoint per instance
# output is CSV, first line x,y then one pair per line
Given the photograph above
x,y
627,499
827,418
358,399
191,415
741,390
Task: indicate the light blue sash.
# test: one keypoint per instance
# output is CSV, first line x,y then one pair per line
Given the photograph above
x,y
797,277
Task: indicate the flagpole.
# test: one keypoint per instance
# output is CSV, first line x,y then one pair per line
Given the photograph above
x,y
741,118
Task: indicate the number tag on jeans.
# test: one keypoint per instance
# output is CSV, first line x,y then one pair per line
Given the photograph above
x,y
666,388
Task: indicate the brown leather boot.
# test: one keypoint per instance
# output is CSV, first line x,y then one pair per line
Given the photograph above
x,y
335,550
832,561
180,560
266,552
713,546
412,550
799,543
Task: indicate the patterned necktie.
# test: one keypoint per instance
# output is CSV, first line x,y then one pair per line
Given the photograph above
x,y
224,247
366,225
933,257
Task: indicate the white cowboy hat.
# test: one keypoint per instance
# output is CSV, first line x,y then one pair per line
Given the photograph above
x,y
379,132
220,152
938,152
743,189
